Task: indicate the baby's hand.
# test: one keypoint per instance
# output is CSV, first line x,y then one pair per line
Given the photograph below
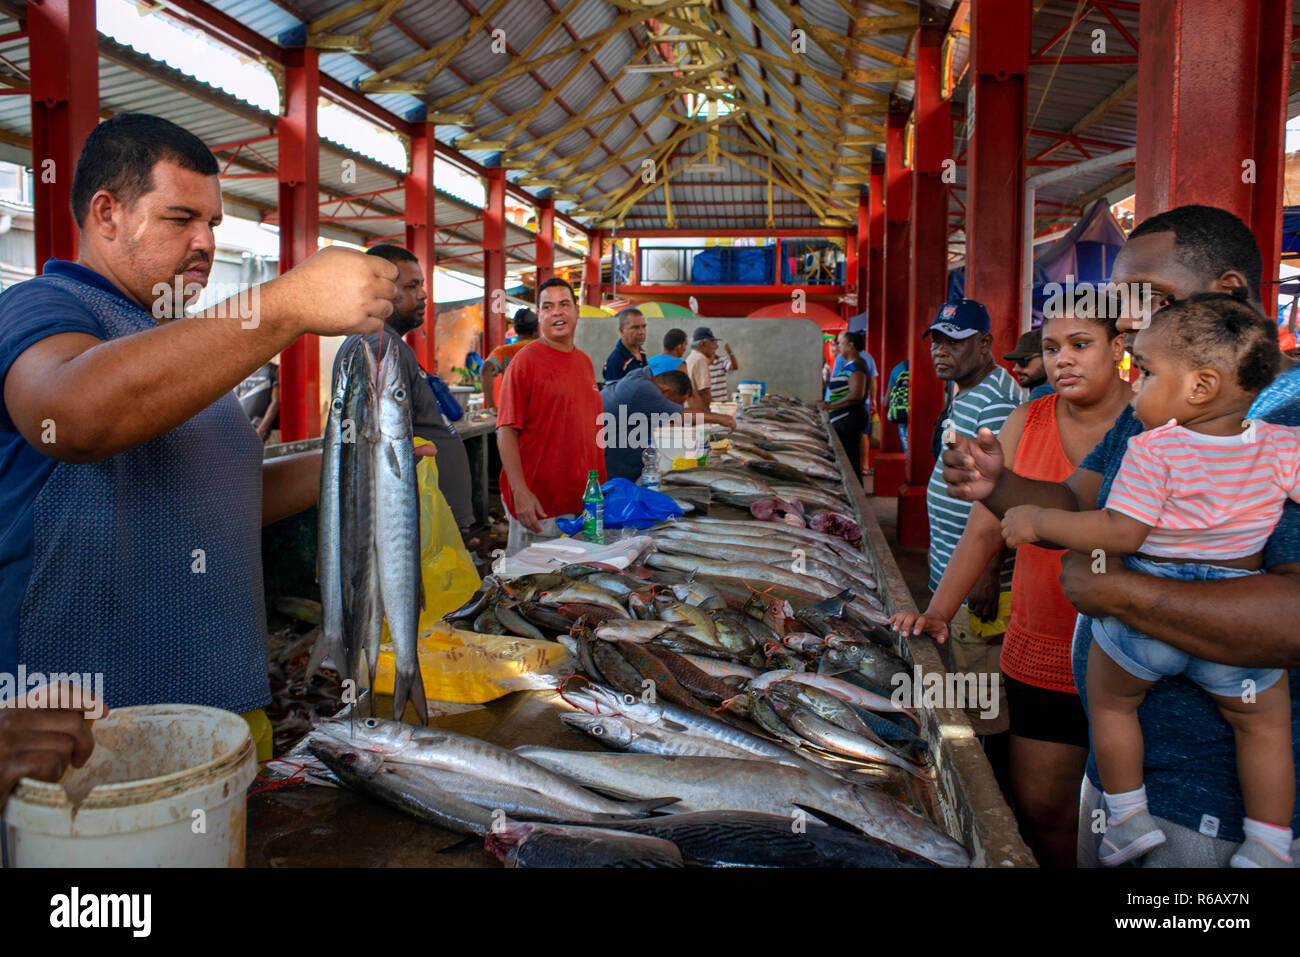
x,y
1018,525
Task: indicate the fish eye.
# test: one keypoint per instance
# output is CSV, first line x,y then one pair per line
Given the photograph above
x,y
629,700
399,393
597,730
337,405
371,722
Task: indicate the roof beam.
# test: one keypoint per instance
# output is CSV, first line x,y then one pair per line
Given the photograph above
x,y
1112,100
442,54
523,66
320,37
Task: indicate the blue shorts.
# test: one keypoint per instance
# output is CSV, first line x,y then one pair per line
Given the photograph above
x,y
1150,660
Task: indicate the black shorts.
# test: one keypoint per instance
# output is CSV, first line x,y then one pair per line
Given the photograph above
x,y
1044,715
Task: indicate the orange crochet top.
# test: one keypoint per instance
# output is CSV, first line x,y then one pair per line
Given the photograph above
x,y
1036,649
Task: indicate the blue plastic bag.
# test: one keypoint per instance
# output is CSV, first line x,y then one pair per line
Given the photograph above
x,y
447,403
628,504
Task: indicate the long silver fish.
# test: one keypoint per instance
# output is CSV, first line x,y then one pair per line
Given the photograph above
x,y
432,747
362,611
397,530
329,555
716,784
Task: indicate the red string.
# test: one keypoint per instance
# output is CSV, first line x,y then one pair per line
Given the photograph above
x,y
299,776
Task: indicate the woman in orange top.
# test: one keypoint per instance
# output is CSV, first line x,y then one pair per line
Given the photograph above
x,y
1046,438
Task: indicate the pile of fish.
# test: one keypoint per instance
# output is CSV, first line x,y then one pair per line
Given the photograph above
x,y
369,525
532,809
741,679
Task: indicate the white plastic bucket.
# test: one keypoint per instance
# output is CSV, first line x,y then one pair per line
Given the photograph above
x,y
680,442
749,393
164,787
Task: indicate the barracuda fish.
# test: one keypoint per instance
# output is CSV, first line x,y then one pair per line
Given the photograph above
x,y
366,773
752,572
815,559
397,531
717,784
553,845
442,750
363,612
747,839
329,559
811,497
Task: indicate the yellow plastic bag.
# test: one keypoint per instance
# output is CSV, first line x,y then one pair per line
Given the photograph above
x,y
449,574
470,668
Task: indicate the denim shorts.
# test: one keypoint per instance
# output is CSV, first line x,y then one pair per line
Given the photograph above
x,y
1149,659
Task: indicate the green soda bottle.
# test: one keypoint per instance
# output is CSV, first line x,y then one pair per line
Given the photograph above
x,y
593,510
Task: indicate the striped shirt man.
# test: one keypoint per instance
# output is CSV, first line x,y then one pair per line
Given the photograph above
x,y
718,370
1207,497
987,405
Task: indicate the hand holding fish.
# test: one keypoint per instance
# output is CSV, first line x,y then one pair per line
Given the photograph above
x,y
1018,525
971,466
336,292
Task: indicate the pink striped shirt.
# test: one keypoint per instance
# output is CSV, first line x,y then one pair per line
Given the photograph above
x,y
1208,496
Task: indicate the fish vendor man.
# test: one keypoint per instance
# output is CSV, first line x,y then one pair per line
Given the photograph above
x,y
132,483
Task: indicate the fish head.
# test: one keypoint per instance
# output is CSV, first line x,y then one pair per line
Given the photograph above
x,y
369,734
393,394
338,755
610,729
600,701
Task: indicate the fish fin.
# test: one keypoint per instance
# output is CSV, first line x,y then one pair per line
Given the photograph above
x,y
393,462
651,804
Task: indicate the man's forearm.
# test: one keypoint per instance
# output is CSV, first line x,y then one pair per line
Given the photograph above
x,y
978,548
106,397
1012,490
290,483
1246,622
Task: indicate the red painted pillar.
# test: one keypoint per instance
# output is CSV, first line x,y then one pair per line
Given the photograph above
x,y
995,171
889,465
420,232
1212,103
875,279
494,261
854,241
299,173
545,254
929,276
591,272
65,108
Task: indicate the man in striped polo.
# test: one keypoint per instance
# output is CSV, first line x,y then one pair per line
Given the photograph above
x,y
982,396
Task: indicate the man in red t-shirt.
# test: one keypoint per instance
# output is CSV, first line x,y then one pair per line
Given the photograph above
x,y
548,422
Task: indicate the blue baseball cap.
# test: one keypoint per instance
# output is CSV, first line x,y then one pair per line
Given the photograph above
x,y
960,319
664,363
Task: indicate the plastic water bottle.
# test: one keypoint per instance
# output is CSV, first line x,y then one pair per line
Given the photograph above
x,y
650,468
593,510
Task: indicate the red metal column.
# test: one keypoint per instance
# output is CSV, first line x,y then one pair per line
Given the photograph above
x,y
855,248
875,273
65,108
420,233
494,261
1212,104
545,255
889,465
299,229
591,273
995,171
929,276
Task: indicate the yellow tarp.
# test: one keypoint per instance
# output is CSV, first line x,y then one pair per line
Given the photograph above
x,y
469,668
449,574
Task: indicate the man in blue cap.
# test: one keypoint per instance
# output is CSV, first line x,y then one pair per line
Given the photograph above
x,y
981,394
